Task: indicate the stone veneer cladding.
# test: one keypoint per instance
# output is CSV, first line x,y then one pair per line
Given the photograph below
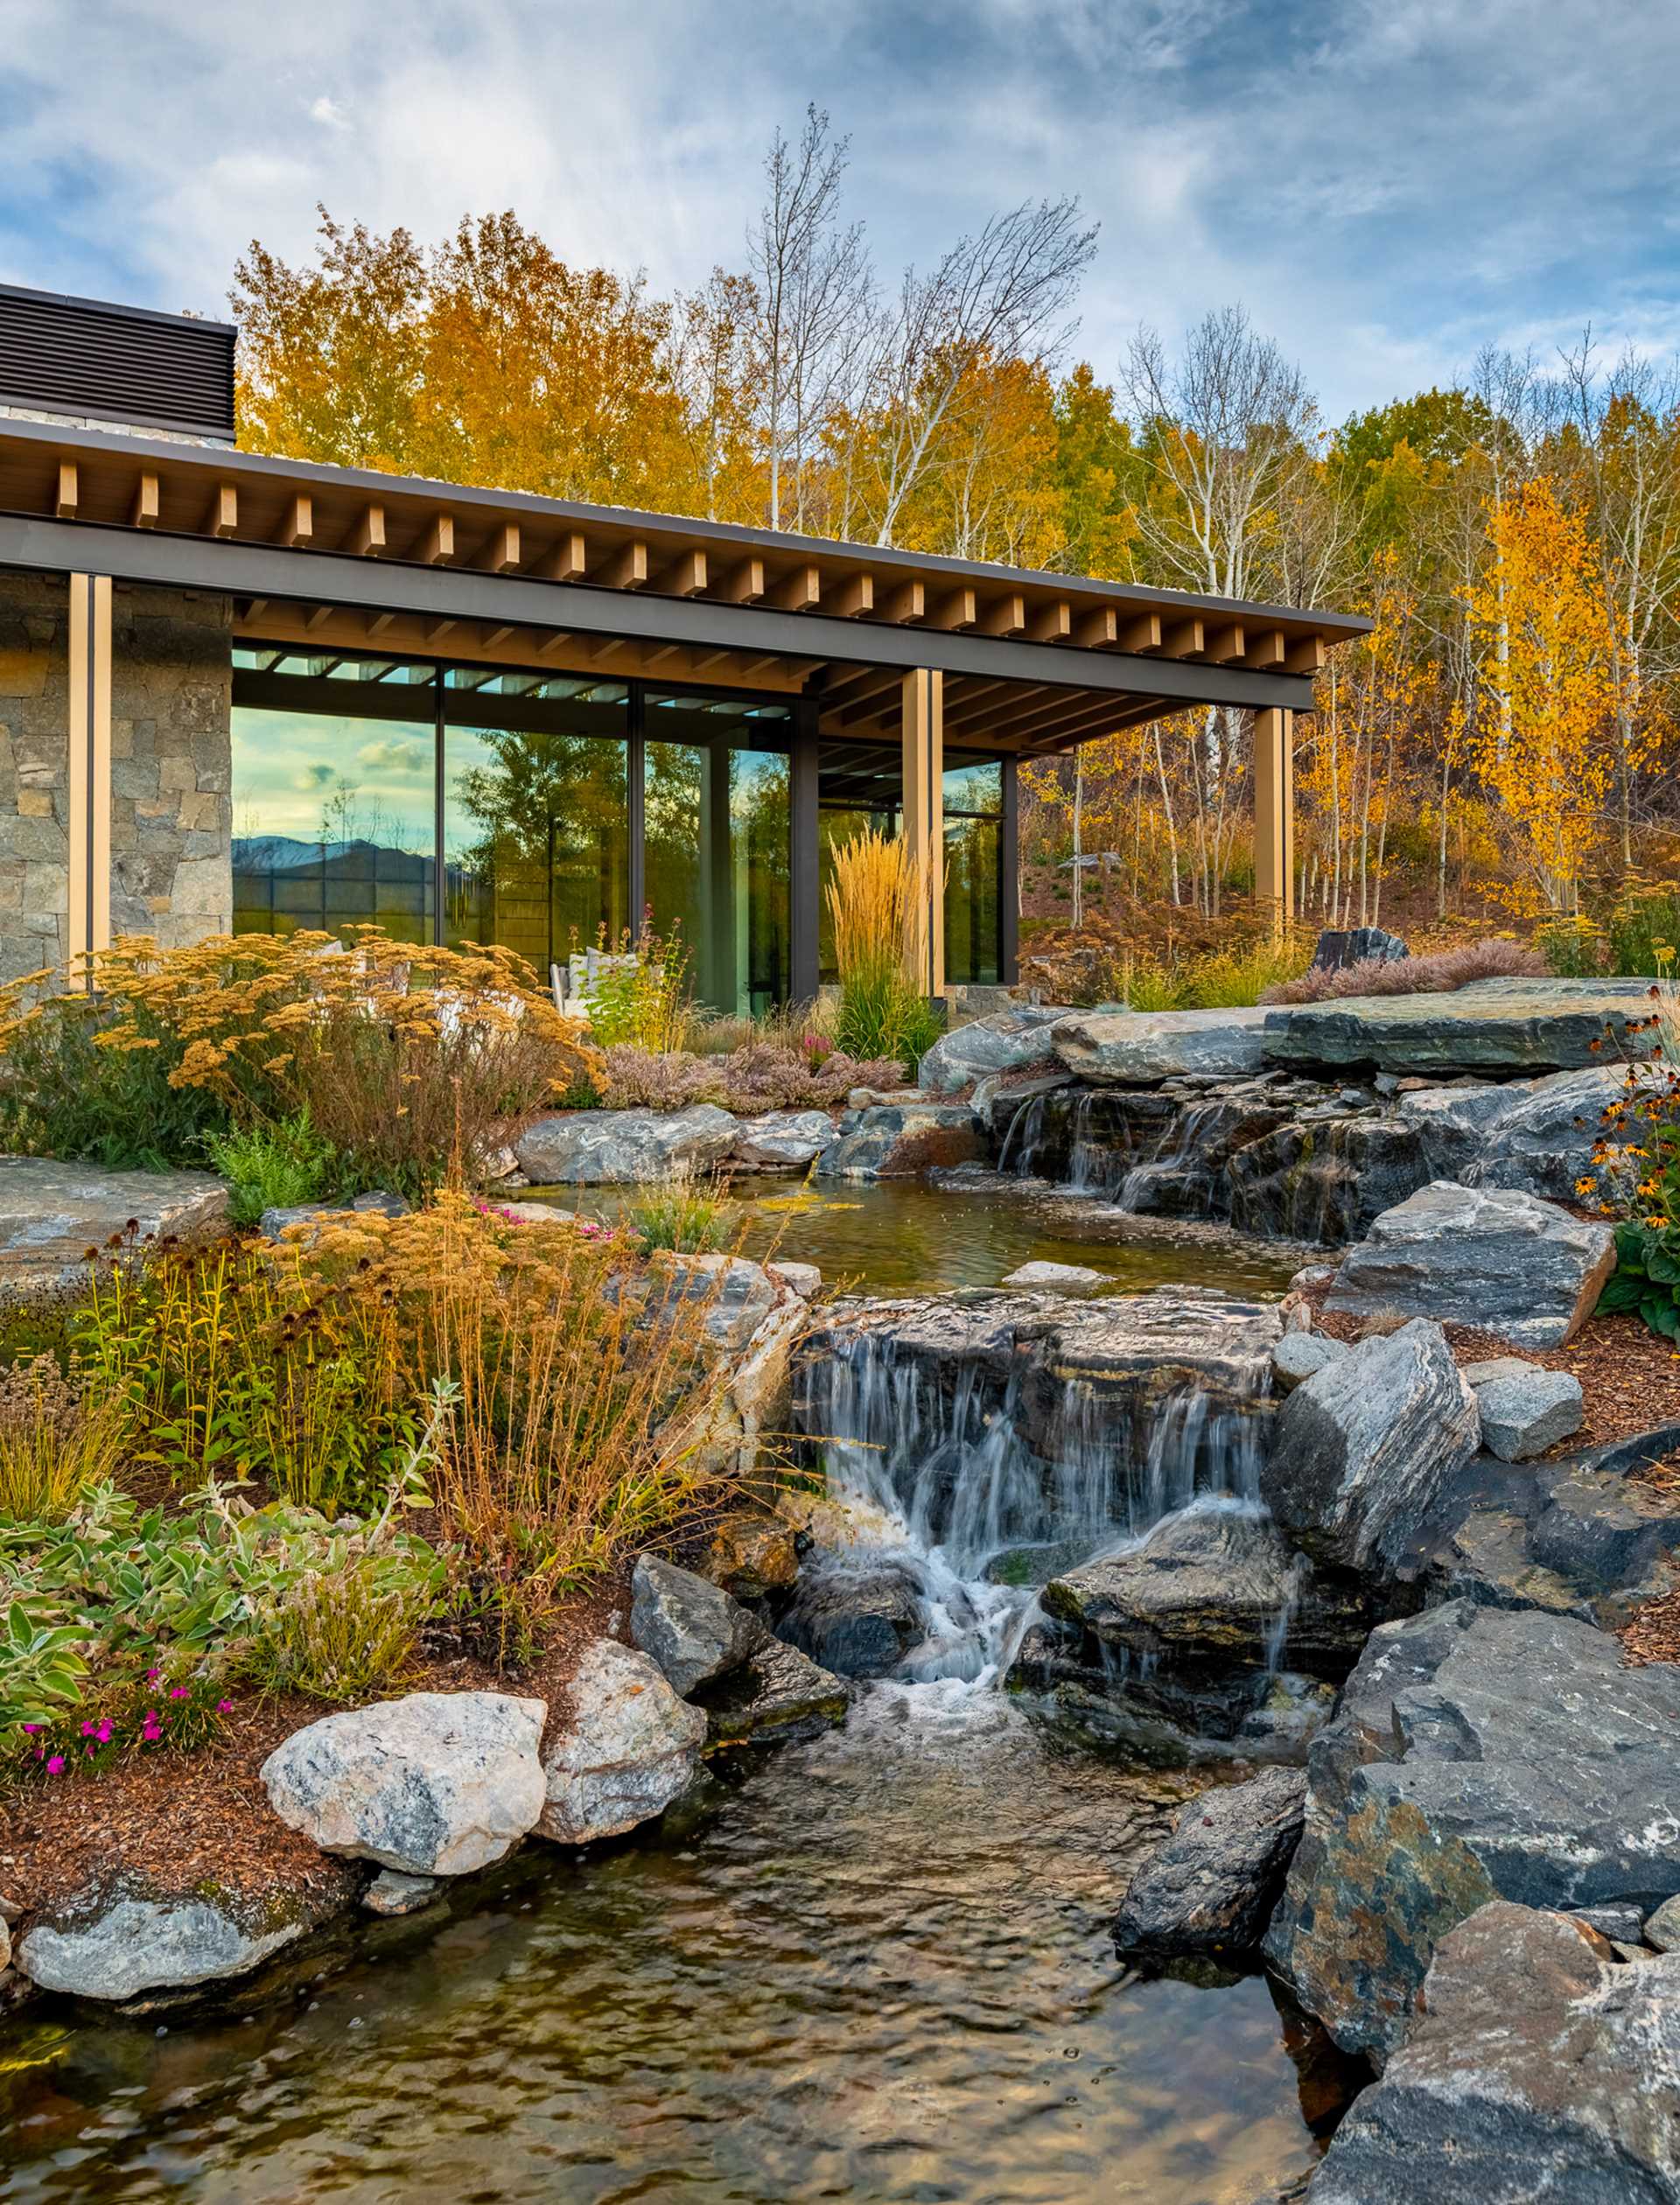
x,y
171,806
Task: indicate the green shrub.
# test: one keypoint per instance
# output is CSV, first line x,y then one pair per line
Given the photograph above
x,y
279,1166
687,1216
62,1095
1647,1277
1643,933
645,1002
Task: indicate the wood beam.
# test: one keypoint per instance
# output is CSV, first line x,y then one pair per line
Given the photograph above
x,y
970,711
548,644
297,527
87,792
963,699
1097,631
1004,616
875,706
67,499
685,576
492,639
851,598
436,630
569,561
923,782
1265,651
606,646
743,584
437,546
1052,623
1069,734
366,539
1054,709
1225,645
1305,655
1274,871
658,657
380,622
317,616
709,659
1142,636
904,606
500,553
956,611
1183,639
799,591
627,569
223,517
143,513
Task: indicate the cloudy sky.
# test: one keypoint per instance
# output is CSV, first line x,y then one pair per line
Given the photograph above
x,y
1385,184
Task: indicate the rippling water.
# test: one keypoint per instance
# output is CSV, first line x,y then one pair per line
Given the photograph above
x,y
879,1969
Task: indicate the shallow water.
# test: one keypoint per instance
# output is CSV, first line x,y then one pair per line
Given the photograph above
x,y
878,1970
899,1236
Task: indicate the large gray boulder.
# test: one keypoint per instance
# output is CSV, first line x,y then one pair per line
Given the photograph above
x,y
898,1140
1339,947
858,1615
1542,1140
52,1213
1561,1535
1211,1887
1139,1048
1361,1450
614,1148
134,1945
1007,1041
1538,2069
690,1627
629,1748
433,1784
1503,1029
777,1698
781,1140
1503,1262
1476,1755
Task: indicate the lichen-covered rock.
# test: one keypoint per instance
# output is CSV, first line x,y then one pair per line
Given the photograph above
x,y
1504,1262
1211,1887
134,1945
1537,2068
1476,1755
608,1148
691,1628
897,1140
1361,1450
629,1748
1139,1049
783,1140
433,1784
778,1697
1004,1042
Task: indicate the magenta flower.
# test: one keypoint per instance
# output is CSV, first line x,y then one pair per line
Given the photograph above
x,y
152,1676
55,1766
178,1691
32,1728
103,1733
224,1707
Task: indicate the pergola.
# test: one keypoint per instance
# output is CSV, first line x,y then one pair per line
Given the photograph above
x,y
875,645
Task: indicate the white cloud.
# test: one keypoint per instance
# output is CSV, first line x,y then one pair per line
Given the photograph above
x,y
332,114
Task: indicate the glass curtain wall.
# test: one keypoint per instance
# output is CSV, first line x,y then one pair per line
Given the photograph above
x,y
716,837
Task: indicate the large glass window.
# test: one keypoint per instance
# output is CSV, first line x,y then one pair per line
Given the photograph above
x,y
333,801
716,826
536,821
974,804
859,785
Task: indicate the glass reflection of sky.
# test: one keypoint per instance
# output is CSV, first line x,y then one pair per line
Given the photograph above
x,y
314,778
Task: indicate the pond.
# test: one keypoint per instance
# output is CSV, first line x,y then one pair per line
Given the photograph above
x,y
903,1236
877,1970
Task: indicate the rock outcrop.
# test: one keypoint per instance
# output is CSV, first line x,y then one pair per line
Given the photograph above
x,y
1211,1887
1537,2068
1502,1028
609,1148
778,1697
781,1140
691,1628
1475,1754
1007,1041
857,1616
433,1784
1139,1049
898,1140
628,1748
52,1213
1363,1448
1504,1262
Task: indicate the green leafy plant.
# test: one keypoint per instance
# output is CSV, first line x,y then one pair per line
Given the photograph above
x,y
1647,1277
689,1216
643,996
277,1166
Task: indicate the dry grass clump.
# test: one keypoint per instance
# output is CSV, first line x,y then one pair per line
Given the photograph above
x,y
59,1439
877,906
1436,972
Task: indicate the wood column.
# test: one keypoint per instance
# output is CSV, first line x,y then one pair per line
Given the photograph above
x,y
1008,883
1274,812
89,778
805,910
924,809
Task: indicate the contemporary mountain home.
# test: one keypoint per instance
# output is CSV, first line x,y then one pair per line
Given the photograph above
x,y
261,694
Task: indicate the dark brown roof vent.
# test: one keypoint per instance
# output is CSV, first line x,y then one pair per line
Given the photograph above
x,y
83,359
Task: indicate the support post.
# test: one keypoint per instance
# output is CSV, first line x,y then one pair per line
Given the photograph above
x,y
1274,808
805,909
924,809
89,778
1008,883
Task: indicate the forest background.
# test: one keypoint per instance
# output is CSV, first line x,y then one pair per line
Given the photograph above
x,y
1499,753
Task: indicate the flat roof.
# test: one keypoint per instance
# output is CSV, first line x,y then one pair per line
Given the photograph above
x,y
404,561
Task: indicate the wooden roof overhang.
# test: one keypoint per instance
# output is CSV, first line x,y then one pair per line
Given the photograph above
x,y
345,559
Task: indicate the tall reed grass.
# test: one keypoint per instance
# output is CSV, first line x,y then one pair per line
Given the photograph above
x,y
877,906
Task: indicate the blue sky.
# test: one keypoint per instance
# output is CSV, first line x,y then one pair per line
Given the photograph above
x,y
1385,184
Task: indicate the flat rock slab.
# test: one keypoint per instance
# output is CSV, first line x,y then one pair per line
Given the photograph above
x,y
1505,1028
1540,2069
1504,1262
781,1140
1139,1048
625,1148
136,1945
51,1214
1055,1278
1212,1884
1475,1754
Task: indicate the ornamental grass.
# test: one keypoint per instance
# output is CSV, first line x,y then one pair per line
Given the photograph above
x,y
879,908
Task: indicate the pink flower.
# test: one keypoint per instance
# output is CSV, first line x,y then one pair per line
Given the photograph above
x,y
178,1691
32,1728
224,1707
87,1729
55,1766
152,1676
103,1733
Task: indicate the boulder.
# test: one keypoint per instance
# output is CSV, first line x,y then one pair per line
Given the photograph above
x,y
53,1214
1007,1041
1056,1278
433,1784
1475,1754
859,1617
1361,1450
1537,2068
1339,947
391,1894
691,1628
781,1140
1139,1049
897,1140
1543,1138
614,1148
1301,1355
1561,1536
129,1946
1503,1262
753,1556
754,1320
628,1749
777,1696
1521,1416
1211,1887
1504,1029
1661,1929
803,1279
275,1223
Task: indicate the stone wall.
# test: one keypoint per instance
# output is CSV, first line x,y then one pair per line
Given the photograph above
x,y
171,806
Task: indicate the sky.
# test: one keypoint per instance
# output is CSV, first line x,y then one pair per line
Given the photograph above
x,y
1385,184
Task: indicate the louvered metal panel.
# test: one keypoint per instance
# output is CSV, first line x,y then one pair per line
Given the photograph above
x,y
82,357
